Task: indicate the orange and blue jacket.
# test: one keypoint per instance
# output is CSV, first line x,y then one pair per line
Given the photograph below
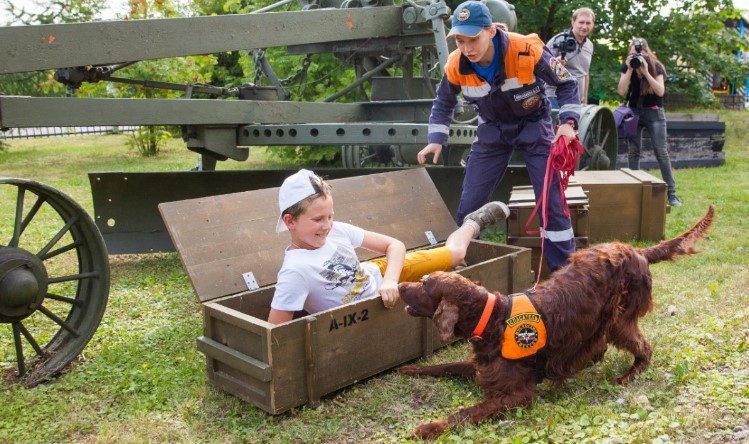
x,y
516,93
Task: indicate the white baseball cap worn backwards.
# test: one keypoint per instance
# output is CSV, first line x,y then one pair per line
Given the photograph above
x,y
294,189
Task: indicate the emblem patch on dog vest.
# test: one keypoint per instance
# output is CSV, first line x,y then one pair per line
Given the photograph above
x,y
525,331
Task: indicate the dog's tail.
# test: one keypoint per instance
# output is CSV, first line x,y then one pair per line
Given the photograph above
x,y
682,244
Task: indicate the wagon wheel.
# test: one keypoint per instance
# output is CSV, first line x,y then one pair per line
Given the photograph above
x,y
54,278
599,138
369,156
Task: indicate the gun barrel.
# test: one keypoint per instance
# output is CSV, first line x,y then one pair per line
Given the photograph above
x,y
39,47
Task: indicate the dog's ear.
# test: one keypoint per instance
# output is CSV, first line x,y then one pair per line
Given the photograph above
x,y
445,318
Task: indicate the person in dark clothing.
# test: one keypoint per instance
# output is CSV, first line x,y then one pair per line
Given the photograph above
x,y
503,75
642,82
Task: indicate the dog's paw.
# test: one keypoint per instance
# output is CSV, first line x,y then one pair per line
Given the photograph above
x,y
622,380
410,370
429,431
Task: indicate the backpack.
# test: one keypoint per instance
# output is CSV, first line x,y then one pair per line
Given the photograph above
x,y
626,121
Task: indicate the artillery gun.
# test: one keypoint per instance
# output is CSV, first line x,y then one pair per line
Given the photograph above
x,y
54,271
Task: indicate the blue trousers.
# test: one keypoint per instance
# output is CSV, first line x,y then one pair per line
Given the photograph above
x,y
487,164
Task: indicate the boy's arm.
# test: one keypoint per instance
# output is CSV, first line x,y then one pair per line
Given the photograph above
x,y
279,316
395,252
290,295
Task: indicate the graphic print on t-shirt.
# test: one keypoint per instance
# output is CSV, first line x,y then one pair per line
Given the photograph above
x,y
341,271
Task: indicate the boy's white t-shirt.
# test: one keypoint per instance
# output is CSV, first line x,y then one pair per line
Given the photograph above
x,y
328,276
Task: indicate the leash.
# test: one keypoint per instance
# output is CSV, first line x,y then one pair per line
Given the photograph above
x,y
562,162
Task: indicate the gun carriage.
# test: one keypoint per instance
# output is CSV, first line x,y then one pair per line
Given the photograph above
x,y
54,271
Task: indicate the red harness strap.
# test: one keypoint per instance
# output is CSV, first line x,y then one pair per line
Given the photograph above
x,y
562,160
479,330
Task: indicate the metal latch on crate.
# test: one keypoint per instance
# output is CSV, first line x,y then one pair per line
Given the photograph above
x,y
250,281
430,237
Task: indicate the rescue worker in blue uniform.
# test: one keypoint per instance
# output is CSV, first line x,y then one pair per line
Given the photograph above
x,y
503,73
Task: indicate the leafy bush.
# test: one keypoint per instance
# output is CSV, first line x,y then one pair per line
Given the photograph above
x,y
149,139
308,155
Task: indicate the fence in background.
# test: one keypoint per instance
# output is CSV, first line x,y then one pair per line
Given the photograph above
x,y
30,133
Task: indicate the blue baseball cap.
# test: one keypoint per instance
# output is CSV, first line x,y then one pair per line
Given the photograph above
x,y
470,18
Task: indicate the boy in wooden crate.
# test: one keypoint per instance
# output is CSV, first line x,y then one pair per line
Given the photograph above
x,y
321,269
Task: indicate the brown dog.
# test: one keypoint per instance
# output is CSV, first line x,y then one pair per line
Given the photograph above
x,y
593,301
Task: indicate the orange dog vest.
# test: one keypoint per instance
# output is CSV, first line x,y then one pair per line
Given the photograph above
x,y
525,332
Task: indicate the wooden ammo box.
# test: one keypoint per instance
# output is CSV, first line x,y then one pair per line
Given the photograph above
x,y
693,140
523,201
624,204
232,254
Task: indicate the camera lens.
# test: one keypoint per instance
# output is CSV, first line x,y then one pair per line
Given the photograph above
x,y
635,62
570,44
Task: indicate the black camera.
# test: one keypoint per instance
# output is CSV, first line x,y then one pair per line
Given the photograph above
x,y
636,61
566,43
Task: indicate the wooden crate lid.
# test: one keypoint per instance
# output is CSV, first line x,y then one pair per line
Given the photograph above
x,y
522,196
219,238
624,176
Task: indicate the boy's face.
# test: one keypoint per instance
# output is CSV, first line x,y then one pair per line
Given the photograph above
x,y
311,228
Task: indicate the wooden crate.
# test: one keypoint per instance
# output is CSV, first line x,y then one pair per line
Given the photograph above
x,y
522,202
624,204
220,239
534,243
693,140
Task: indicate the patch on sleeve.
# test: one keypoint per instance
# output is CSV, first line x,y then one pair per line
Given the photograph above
x,y
559,69
531,102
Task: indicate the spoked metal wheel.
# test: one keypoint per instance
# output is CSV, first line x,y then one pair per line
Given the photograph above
x,y
369,156
54,279
458,155
599,138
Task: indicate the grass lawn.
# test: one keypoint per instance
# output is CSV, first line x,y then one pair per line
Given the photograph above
x,y
141,378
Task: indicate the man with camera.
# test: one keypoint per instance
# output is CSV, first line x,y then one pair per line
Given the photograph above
x,y
574,50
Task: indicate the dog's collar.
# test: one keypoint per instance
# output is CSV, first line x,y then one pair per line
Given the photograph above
x,y
479,330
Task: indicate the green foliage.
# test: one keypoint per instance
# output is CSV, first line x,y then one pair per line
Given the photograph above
x,y
693,56
45,12
42,83
306,155
39,84
177,70
692,40
147,140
